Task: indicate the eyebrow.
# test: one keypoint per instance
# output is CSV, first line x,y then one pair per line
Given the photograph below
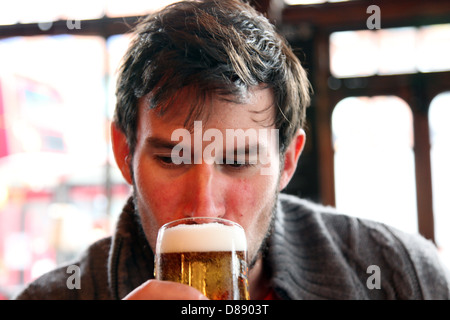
x,y
160,143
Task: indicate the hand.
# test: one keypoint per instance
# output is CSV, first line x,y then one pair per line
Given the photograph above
x,y
164,290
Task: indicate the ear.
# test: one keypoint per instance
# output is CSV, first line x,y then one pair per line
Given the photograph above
x,y
121,152
291,157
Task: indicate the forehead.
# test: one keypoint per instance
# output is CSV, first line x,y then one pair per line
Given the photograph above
x,y
255,109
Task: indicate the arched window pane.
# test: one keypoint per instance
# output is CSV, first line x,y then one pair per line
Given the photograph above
x,y
439,114
374,161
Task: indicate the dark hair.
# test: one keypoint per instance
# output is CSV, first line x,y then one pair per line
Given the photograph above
x,y
217,47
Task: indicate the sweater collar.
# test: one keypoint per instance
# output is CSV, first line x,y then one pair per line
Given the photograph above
x,y
131,260
305,257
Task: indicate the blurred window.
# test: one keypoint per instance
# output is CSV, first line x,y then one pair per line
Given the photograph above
x,y
58,178
390,51
353,53
120,8
374,160
433,49
439,114
32,11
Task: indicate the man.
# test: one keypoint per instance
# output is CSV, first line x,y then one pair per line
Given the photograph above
x,y
220,67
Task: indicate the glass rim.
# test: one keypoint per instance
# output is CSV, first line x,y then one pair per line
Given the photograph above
x,y
193,219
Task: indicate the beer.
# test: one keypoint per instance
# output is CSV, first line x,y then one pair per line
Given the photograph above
x,y
210,257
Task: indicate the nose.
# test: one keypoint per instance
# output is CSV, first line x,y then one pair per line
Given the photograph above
x,y
204,192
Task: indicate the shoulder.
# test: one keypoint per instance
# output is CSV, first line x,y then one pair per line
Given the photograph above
x,y
84,278
409,264
434,278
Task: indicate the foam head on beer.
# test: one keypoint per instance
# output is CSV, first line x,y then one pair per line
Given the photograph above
x,y
206,237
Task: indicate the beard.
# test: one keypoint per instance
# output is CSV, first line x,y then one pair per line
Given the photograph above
x,y
264,245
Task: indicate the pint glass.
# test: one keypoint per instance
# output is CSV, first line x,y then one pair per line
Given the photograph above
x,y
208,254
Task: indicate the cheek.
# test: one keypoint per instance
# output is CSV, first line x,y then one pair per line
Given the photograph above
x,y
240,196
247,198
252,203
156,206
154,195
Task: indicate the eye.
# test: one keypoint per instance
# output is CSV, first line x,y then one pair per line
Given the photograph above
x,y
238,165
165,160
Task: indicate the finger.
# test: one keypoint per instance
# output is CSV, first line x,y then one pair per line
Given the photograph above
x,y
164,290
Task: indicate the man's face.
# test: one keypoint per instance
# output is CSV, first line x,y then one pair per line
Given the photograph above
x,y
165,191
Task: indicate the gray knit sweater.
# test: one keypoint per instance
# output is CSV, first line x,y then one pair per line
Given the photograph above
x,y
313,252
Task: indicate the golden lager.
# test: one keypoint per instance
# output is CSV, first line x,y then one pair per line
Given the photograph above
x,y
210,257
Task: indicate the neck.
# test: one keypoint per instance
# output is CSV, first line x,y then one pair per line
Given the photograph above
x,y
259,284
